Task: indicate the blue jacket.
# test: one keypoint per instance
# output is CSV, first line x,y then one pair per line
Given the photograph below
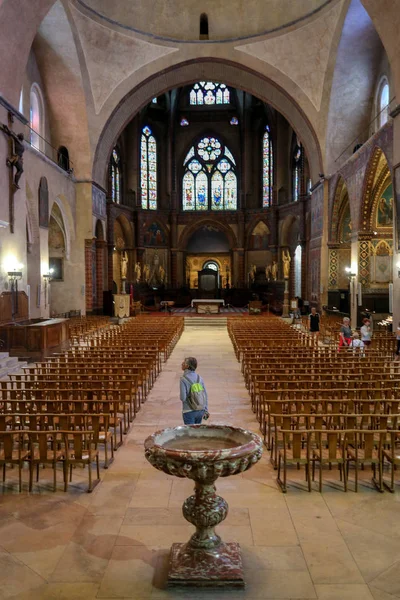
x,y
185,389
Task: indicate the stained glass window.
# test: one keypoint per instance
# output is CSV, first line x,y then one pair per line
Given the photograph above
x,y
208,92
267,168
234,121
384,104
154,100
210,180
297,169
184,122
115,172
148,169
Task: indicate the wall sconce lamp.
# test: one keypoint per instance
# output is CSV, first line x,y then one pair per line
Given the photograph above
x,y
350,275
47,278
14,277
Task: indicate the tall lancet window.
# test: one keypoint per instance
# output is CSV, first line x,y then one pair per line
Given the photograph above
x,y
115,175
209,181
267,167
297,171
148,169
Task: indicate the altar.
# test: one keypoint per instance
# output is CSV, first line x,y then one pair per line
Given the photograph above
x,y
203,306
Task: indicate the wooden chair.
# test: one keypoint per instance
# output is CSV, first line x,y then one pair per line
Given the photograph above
x,y
81,448
392,455
45,447
295,451
365,448
330,449
13,451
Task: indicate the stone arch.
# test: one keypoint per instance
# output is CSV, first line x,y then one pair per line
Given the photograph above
x,y
188,72
99,230
67,224
377,171
191,228
127,231
289,231
258,234
340,201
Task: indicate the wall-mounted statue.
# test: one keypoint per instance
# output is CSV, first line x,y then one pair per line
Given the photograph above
x,y
146,273
286,263
268,272
162,274
252,273
138,272
16,159
274,270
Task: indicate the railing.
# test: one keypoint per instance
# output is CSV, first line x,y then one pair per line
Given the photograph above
x,y
60,158
366,132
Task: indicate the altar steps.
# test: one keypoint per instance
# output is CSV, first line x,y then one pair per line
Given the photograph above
x,y
216,322
10,364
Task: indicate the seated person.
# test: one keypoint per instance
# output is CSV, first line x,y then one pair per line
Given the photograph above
x,y
356,343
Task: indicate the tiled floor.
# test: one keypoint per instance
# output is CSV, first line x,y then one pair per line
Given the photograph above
x,y
114,543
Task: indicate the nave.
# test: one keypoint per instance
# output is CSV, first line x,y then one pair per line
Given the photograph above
x,y
114,543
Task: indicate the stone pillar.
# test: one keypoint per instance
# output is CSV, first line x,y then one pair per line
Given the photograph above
x,y
355,276
396,221
100,260
285,311
88,275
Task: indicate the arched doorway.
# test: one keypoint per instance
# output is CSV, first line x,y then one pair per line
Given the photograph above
x,y
208,247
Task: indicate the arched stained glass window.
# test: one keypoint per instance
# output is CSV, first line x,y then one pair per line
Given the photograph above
x,y
148,169
209,181
209,92
36,118
384,103
267,168
297,170
115,173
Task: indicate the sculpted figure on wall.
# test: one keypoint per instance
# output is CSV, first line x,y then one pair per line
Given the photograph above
x,y
286,263
252,273
146,273
274,270
138,272
268,272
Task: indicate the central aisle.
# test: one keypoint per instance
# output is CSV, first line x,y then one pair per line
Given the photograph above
x,y
115,542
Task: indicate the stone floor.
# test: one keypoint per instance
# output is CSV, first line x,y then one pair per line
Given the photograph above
x,y
114,543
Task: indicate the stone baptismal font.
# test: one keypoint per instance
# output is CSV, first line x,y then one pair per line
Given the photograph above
x,y
204,453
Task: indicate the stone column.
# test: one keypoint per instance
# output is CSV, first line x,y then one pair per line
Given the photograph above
x,y
285,311
88,275
396,214
101,246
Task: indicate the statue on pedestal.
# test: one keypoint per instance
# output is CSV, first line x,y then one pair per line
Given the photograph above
x,y
268,272
124,264
138,272
146,273
274,270
286,263
162,274
252,273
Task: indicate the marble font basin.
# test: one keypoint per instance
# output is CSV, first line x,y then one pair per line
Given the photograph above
x,y
204,453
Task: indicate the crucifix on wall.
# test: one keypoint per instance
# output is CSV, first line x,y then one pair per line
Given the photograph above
x,y
15,161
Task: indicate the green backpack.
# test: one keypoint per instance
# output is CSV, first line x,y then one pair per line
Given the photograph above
x,y
196,397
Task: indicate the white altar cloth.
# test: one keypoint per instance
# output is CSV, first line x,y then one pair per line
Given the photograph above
x,y
205,301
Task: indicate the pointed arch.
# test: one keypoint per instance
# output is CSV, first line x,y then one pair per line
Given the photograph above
x,y
340,205
378,176
198,224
